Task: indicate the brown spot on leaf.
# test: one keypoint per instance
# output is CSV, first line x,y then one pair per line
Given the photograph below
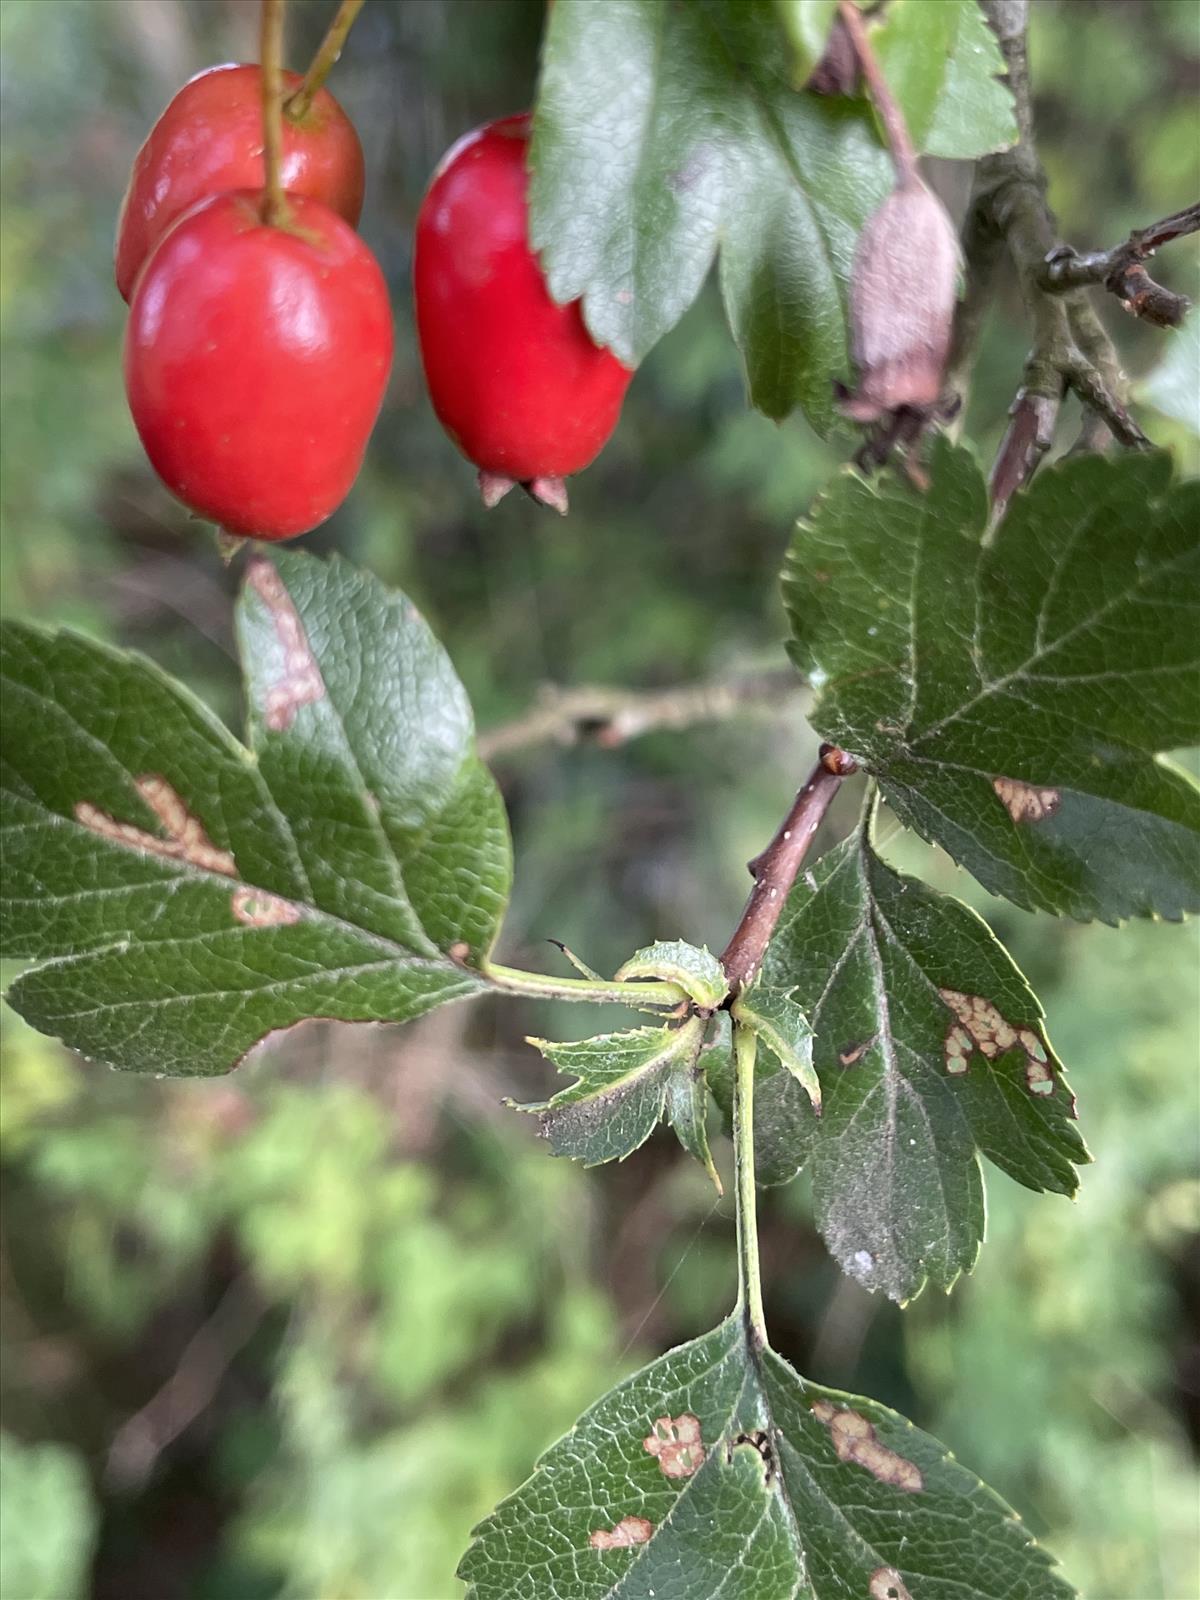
x,y
629,1531
887,1584
1024,802
980,1026
185,838
854,1439
260,910
677,1444
853,1053
301,683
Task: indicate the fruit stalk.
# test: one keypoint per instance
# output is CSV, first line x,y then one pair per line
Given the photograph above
x,y
899,140
322,64
274,205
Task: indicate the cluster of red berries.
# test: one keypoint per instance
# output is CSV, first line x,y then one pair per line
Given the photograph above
x,y
258,345
257,351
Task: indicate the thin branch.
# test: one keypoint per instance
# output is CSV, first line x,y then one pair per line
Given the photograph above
x,y
775,870
1070,350
1122,272
611,717
190,1389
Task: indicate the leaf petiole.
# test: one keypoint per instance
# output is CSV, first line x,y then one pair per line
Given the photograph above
x,y
656,996
745,1049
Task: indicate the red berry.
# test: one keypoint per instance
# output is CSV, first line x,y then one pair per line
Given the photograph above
x,y
209,140
515,379
255,362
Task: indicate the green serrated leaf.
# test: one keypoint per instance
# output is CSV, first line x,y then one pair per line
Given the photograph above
x,y
943,64
807,24
717,1473
625,1083
782,1026
189,895
694,968
1011,695
680,125
932,1051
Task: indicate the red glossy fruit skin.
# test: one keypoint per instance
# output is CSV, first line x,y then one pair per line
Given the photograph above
x,y
256,360
515,379
209,140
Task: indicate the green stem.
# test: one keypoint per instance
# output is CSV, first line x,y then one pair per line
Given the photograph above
x,y
745,1047
270,55
658,996
323,62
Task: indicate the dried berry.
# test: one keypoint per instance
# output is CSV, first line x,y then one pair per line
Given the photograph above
x,y
902,294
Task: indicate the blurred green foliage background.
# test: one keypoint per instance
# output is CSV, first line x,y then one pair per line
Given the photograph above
x,y
291,1333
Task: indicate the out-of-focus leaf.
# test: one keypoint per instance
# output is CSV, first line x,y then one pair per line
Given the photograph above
x,y
943,64
49,1522
720,1474
807,24
1011,695
1171,387
189,895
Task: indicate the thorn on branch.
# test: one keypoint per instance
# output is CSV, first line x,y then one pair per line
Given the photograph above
x,y
1030,434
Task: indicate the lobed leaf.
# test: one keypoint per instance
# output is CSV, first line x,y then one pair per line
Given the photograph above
x,y
718,1472
1011,695
187,894
626,1082
932,1051
943,64
663,132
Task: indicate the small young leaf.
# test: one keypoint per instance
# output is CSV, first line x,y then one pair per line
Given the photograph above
x,y
932,1050
190,895
696,970
943,64
626,1082
720,1474
1011,695
782,1026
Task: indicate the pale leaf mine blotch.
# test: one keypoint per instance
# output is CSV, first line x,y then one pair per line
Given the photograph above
x,y
854,1439
677,1444
183,837
887,1584
980,1026
628,1532
1025,802
301,683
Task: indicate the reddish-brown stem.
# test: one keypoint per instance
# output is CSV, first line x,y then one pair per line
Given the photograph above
x,y
774,871
270,55
325,60
895,129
